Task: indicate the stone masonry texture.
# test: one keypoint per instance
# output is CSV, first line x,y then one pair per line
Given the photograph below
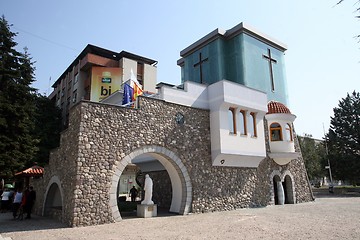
x,y
99,136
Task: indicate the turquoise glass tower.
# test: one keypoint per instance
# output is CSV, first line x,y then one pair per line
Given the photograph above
x,y
242,55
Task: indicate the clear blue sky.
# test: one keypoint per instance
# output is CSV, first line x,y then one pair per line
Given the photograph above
x,y
322,60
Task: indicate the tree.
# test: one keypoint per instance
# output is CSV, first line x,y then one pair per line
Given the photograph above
x,y
17,144
356,10
344,139
314,156
47,128
29,122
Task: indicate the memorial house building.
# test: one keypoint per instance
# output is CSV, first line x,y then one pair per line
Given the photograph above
x,y
222,139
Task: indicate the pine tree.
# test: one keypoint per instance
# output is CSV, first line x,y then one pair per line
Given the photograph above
x,y
17,97
344,139
47,128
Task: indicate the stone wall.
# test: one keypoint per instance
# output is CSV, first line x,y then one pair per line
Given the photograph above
x,y
62,165
100,136
264,189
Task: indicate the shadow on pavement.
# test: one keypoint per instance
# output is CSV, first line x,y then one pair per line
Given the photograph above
x,y
337,193
8,224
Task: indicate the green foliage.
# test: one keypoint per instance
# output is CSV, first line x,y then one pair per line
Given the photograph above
x,y
29,124
344,139
47,128
357,10
17,145
314,156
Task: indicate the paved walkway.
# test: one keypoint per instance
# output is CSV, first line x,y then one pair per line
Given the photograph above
x,y
325,218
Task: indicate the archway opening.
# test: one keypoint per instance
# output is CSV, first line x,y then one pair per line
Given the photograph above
x,y
288,189
276,179
170,192
53,204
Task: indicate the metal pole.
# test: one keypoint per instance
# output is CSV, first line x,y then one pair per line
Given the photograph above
x,y
331,187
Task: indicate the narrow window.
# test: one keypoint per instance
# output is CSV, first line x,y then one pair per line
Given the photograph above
x,y
289,136
140,73
275,132
76,78
74,96
232,120
87,93
253,130
242,119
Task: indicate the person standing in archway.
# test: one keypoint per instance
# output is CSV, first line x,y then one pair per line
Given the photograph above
x,y
133,193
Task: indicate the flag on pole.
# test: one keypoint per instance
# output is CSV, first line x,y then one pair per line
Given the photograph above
x,y
128,94
137,90
132,89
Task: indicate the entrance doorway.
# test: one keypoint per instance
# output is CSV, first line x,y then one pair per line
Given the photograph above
x,y
132,182
283,190
53,205
276,180
288,189
172,186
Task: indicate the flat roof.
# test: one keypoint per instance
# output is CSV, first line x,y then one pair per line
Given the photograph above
x,y
103,53
240,28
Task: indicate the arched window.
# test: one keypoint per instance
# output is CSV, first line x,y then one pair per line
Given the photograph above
x,y
252,125
289,135
242,124
275,132
232,120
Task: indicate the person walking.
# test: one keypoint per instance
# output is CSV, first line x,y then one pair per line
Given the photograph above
x,y
17,202
30,200
5,200
133,193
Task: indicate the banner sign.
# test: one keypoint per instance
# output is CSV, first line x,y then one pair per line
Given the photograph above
x,y
104,82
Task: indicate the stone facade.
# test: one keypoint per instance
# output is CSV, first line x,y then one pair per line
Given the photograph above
x,y
102,138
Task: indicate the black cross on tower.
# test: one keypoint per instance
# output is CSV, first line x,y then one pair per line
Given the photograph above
x,y
270,60
201,61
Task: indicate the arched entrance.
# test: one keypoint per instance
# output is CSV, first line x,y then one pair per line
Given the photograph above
x,y
288,189
53,202
282,188
179,177
278,195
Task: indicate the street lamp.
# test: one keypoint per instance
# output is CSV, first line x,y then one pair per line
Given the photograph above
x,y
331,186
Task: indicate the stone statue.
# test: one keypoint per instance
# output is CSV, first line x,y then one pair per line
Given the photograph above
x,y
148,188
280,193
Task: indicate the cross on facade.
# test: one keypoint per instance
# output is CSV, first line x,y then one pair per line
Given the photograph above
x,y
201,61
270,60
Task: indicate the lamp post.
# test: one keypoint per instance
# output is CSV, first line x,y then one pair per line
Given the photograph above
x,y
331,186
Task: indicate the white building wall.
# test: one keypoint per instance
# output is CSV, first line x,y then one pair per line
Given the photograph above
x,y
282,152
234,149
227,149
150,76
127,65
193,95
283,119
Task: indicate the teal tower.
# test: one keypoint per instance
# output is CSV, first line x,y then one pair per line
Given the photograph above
x,y
242,55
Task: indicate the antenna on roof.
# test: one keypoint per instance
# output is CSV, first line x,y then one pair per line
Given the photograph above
x,y
48,89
